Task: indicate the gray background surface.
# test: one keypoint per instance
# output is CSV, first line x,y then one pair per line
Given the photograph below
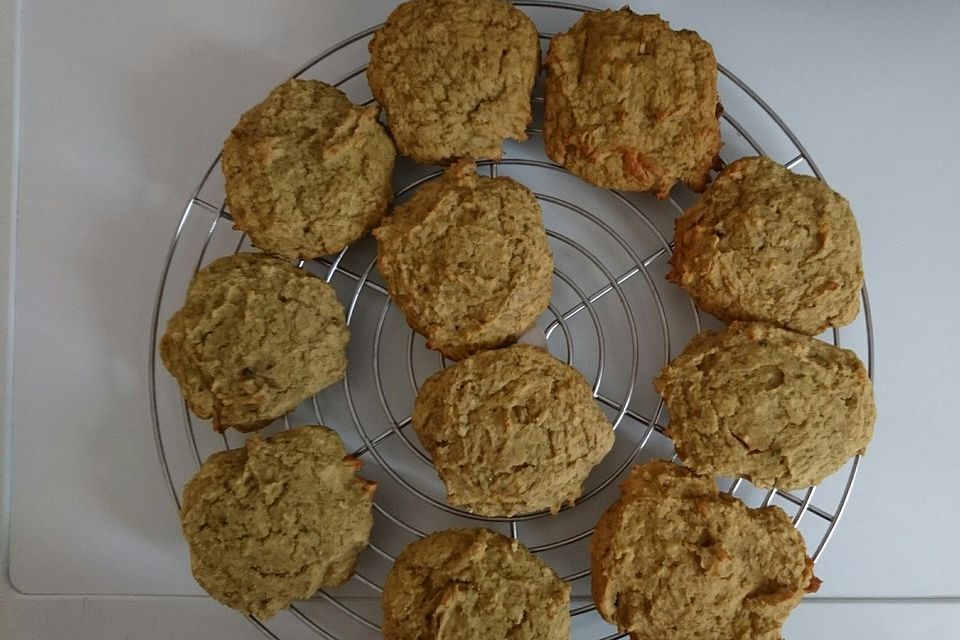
x,y
122,106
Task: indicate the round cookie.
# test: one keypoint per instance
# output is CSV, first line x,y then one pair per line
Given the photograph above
x,y
632,104
277,519
766,244
780,408
511,431
255,337
307,171
467,261
674,559
455,77
476,584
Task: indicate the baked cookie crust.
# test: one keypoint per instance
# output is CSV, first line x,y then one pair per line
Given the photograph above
x,y
277,519
255,337
455,77
511,431
473,583
467,261
307,171
781,408
673,558
631,103
766,244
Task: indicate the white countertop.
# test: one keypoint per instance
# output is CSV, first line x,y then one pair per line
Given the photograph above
x,y
123,105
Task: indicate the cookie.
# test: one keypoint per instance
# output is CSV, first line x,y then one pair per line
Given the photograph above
x,y
783,409
307,171
467,261
631,103
511,431
277,519
767,244
473,583
674,559
455,77
255,337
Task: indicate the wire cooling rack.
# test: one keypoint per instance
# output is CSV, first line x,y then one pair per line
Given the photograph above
x,y
612,315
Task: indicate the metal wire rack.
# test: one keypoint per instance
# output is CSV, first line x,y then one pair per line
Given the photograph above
x,y
612,315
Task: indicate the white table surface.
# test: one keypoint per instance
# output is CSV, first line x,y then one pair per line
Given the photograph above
x,y
123,104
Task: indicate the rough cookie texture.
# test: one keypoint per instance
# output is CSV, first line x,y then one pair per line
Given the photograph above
x,y
632,104
455,77
511,431
764,243
307,171
467,261
674,559
783,409
255,337
277,519
473,584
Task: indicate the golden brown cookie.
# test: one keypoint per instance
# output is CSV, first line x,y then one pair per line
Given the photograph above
x,y
255,337
455,77
511,431
781,408
277,519
767,244
476,584
674,559
307,171
631,103
467,261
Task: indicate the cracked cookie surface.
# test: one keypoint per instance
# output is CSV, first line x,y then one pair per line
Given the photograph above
x,y
277,519
307,171
473,584
631,103
511,431
255,337
781,408
467,261
455,77
766,244
673,558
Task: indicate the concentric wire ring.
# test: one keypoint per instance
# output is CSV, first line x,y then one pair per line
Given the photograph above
x,y
630,321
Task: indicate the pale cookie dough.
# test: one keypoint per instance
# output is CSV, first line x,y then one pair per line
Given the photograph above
x,y
277,519
632,104
781,408
455,77
767,244
255,337
511,431
673,559
473,584
467,261
307,171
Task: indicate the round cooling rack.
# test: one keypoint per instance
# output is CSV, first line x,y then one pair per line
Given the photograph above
x,y
612,315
